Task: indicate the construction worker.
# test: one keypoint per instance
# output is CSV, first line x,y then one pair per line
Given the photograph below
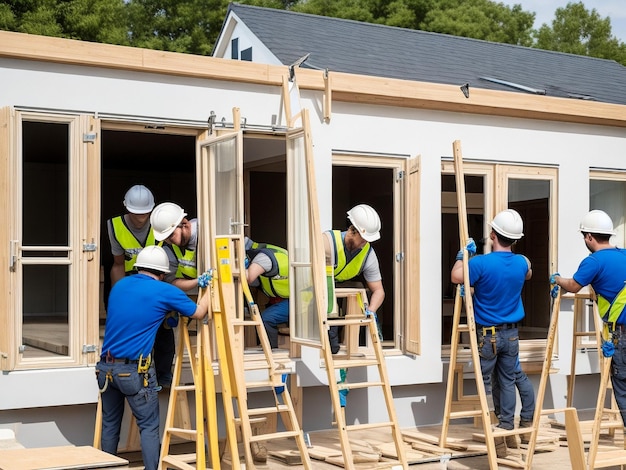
x,y
605,270
137,306
268,268
131,232
351,254
497,279
179,237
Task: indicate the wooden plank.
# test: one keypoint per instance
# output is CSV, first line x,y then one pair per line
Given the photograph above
x,y
58,458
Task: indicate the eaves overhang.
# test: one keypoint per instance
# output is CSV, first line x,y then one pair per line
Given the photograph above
x,y
344,87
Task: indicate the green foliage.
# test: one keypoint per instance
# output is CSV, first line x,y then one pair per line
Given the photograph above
x,y
576,30
481,19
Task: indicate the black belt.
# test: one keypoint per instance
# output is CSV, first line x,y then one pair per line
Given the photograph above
x,y
112,360
493,328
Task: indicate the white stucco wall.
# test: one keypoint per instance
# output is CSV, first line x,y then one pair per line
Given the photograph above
x,y
573,148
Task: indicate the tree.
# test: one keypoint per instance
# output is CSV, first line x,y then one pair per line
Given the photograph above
x,y
575,30
481,19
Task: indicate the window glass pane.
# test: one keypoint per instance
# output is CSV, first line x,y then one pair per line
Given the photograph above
x,y
531,198
45,328
474,189
45,189
225,185
610,196
306,321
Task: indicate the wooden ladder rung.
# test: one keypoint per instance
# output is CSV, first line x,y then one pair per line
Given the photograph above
x,y
351,321
180,461
347,363
185,433
465,414
355,427
267,410
355,385
184,388
274,435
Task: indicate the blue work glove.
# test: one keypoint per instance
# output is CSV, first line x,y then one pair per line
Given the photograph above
x,y
553,278
343,397
608,348
171,320
204,279
554,292
246,262
462,293
470,247
281,388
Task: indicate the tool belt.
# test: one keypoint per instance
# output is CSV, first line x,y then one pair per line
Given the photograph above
x,y
493,328
116,360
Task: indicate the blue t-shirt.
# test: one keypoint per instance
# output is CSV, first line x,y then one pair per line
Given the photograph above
x,y
137,306
498,279
605,270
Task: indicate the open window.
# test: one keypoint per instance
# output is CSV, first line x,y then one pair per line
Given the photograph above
x,y
491,188
51,239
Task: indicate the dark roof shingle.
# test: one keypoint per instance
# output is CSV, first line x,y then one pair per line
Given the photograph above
x,y
369,49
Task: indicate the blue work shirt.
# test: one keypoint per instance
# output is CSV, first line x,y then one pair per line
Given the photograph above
x,y
605,270
137,306
498,279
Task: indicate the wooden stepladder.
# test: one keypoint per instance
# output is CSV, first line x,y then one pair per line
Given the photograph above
x,y
353,322
605,419
470,327
178,421
478,406
229,325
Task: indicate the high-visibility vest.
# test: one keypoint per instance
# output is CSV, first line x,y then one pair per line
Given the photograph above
x,y
186,263
129,242
611,311
346,269
275,282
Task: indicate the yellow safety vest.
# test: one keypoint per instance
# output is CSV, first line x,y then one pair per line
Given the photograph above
x,y
186,263
129,242
611,311
275,283
344,269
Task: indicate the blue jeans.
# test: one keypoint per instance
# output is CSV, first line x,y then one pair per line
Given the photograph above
x,y
128,384
525,389
163,354
618,374
498,354
273,316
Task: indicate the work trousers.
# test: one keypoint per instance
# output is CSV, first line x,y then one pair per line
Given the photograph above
x,y
273,316
163,354
498,355
618,374
128,384
525,389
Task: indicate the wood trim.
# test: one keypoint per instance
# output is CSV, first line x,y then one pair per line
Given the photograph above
x,y
346,87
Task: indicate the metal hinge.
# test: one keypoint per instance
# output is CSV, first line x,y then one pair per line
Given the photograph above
x,y
89,348
400,256
400,175
90,246
89,137
211,122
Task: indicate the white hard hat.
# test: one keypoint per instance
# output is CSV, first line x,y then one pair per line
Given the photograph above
x,y
165,218
153,257
365,219
597,221
509,224
139,200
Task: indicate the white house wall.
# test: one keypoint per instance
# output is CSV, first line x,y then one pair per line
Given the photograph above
x,y
392,131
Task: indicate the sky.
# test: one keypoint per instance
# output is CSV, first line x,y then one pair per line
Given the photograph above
x,y
544,9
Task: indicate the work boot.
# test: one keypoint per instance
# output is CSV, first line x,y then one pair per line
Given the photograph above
x,y
501,449
259,452
511,442
523,423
